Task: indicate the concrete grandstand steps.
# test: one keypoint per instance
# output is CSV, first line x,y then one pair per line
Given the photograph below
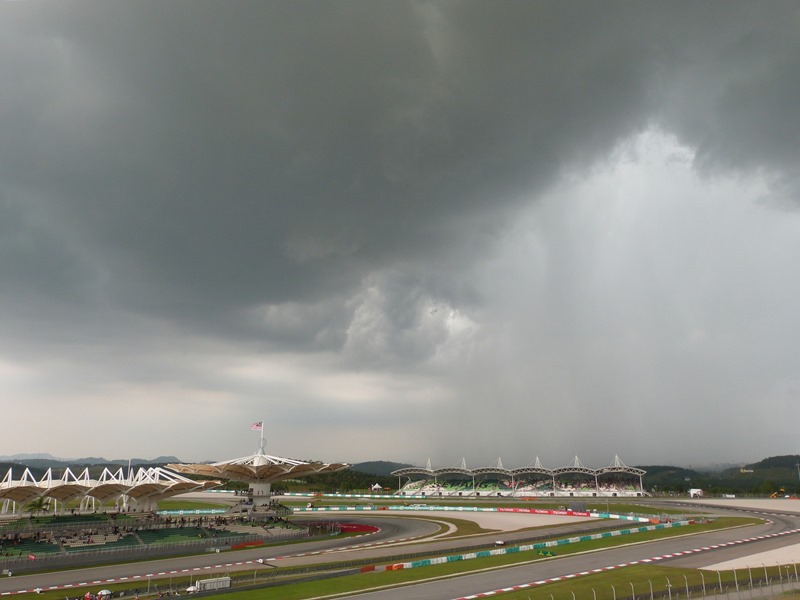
x,y
100,541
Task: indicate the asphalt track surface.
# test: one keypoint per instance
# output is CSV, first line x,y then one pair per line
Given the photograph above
x,y
377,546
397,536
662,551
210,564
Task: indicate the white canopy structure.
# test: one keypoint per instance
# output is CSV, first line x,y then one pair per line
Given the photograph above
x,y
259,470
553,476
141,488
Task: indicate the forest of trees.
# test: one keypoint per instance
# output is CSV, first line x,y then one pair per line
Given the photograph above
x,y
763,478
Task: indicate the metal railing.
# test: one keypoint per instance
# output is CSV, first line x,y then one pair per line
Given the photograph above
x,y
101,555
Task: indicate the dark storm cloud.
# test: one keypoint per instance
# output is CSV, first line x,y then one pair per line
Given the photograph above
x,y
227,155
332,177
268,154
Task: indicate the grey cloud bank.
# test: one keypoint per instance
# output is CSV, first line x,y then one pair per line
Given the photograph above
x,y
397,230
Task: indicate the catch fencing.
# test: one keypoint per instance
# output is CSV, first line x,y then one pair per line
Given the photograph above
x,y
100,555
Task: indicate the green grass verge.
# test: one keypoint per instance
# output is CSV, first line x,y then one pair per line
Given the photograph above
x,y
362,582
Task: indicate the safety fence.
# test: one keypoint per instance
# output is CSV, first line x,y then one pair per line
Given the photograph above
x,y
780,580
100,555
261,577
543,548
543,543
532,511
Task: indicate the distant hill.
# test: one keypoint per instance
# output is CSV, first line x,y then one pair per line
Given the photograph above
x,y
18,469
789,461
668,471
381,468
47,461
19,457
768,476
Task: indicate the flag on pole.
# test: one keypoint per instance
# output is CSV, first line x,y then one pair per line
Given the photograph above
x,y
257,426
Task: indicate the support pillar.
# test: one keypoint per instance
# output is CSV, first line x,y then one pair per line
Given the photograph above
x,y
261,492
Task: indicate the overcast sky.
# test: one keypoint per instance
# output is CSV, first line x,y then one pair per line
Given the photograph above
x,y
401,230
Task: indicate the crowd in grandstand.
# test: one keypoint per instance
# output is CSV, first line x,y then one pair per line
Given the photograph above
x,y
34,536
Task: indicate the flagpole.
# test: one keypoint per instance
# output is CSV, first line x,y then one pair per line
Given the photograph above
x,y
261,446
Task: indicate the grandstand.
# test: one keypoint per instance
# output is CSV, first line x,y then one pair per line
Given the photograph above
x,y
58,538
259,470
138,490
535,481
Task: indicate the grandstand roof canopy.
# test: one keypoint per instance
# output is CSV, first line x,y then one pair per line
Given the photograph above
x,y
617,466
258,468
140,484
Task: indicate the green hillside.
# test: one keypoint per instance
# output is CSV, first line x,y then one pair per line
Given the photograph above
x,y
762,478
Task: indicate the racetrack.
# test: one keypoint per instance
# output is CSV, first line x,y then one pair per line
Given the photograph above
x,y
667,552
396,529
400,533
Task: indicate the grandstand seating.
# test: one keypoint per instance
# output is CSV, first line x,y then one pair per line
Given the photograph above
x,y
171,535
28,547
44,520
233,531
521,488
106,542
